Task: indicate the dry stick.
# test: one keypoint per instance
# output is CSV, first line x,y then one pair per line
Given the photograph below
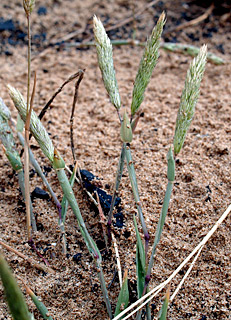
x,y
134,16
192,22
81,74
32,262
71,78
117,260
163,284
115,26
27,162
186,274
27,126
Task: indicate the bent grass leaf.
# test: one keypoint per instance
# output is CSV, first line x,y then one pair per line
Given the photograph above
x,y
123,298
39,304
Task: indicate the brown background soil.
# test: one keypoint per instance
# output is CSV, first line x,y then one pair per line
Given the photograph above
x,y
203,180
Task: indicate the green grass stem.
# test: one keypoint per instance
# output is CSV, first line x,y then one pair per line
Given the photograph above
x,y
116,187
134,185
38,169
171,177
6,136
59,166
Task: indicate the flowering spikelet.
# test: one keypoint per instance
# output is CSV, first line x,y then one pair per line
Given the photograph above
x,y
36,127
147,64
7,138
189,98
105,59
28,6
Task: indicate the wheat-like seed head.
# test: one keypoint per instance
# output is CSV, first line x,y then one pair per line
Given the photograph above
x,y
189,98
36,127
105,60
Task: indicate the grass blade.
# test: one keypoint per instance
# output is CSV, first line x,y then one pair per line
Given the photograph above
x,y
123,298
14,296
171,176
140,261
39,304
164,308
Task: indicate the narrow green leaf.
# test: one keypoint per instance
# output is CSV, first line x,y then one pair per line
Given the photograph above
x,y
14,296
20,124
171,166
140,261
164,309
39,304
123,298
64,203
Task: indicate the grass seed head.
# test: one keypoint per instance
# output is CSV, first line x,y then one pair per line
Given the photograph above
x,y
189,98
28,6
36,127
147,64
105,60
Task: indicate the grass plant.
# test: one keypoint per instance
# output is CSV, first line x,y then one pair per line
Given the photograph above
x,y
145,252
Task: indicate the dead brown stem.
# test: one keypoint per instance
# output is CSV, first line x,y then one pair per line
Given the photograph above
x,y
31,261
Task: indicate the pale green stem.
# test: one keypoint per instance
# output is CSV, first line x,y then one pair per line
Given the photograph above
x,y
67,190
39,171
116,186
132,176
104,289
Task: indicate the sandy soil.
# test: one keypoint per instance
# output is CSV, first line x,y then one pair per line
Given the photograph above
x,y
203,181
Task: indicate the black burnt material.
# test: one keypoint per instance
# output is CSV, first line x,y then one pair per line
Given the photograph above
x,y
105,199
40,194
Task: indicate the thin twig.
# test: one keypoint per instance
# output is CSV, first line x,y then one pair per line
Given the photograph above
x,y
27,128
32,262
71,78
186,274
114,26
81,74
192,22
